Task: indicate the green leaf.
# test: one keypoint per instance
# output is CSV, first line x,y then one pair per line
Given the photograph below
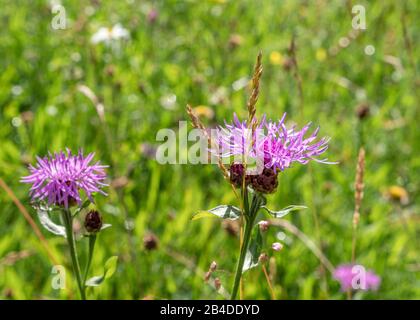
x,y
283,212
110,267
254,250
94,281
49,225
262,199
109,270
223,211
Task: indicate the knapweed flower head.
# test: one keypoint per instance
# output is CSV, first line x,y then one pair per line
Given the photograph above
x,y
356,277
60,178
271,143
283,146
270,147
236,139
265,182
93,221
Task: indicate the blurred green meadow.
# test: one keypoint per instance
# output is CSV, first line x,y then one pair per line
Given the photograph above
x,y
360,86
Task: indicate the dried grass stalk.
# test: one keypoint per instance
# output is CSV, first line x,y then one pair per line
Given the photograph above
x,y
252,101
196,122
359,186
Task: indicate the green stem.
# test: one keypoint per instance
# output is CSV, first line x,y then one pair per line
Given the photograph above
x,y
245,201
239,268
92,241
249,222
68,222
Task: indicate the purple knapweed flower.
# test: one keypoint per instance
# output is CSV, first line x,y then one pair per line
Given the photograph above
x,y
236,139
285,146
152,15
276,146
356,277
60,178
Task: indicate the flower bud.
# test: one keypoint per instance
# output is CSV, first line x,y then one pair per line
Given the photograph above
x,y
236,171
264,224
150,241
93,221
363,111
263,258
266,182
213,266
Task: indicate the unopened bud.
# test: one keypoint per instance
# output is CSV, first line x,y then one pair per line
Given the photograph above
x,y
93,221
266,182
213,266
363,111
263,257
236,174
150,241
264,224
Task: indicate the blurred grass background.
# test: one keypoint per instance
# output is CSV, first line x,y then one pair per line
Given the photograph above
x,y
202,53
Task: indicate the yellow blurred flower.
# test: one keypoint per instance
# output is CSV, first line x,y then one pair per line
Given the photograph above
x,y
204,111
398,193
276,58
321,54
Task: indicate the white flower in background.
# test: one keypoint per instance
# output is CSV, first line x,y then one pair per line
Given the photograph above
x,y
54,3
107,35
277,246
168,101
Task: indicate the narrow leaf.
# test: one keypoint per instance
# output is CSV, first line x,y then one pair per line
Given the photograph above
x,y
49,225
254,250
110,267
283,212
109,270
94,281
223,211
106,226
